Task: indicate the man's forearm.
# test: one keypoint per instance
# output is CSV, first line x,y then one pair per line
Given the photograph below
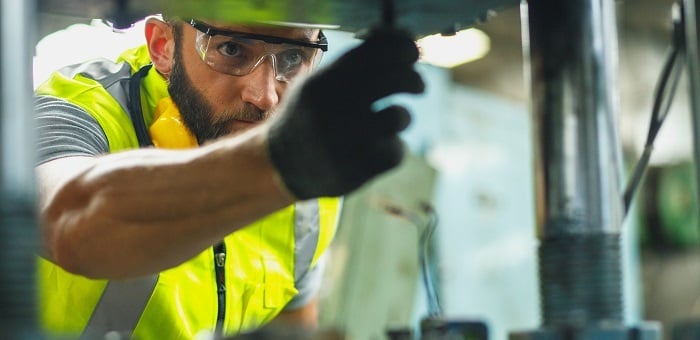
x,y
138,212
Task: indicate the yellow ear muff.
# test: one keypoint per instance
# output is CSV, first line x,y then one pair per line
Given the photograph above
x,y
168,129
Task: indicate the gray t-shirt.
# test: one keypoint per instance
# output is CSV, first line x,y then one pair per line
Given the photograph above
x,y
64,129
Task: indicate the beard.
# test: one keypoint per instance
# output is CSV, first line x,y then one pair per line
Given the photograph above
x,y
196,112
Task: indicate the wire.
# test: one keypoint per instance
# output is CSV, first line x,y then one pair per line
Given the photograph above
x,y
663,98
434,307
427,272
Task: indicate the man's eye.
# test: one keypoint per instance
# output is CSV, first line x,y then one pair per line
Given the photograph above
x,y
230,49
293,58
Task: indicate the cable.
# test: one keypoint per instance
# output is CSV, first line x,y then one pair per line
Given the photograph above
x,y
663,98
434,307
427,276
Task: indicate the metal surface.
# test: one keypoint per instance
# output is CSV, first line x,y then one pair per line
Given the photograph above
x,y
446,329
692,45
691,17
420,16
645,331
18,232
572,50
687,330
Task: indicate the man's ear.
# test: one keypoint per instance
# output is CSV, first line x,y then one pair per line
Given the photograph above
x,y
161,45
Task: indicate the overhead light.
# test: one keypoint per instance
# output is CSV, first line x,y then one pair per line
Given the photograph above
x,y
449,51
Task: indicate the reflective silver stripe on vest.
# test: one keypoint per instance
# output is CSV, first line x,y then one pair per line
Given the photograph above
x,y
112,76
307,229
117,85
119,308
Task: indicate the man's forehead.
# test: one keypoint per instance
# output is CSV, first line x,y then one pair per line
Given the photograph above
x,y
296,33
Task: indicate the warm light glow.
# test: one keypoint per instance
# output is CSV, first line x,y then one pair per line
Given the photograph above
x,y
450,51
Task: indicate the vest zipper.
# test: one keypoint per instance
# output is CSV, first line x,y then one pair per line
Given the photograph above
x,y
219,261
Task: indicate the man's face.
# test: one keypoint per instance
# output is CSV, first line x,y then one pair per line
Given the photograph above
x,y
214,104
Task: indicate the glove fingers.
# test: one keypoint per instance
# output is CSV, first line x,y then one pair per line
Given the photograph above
x,y
379,67
363,161
385,44
383,49
388,121
391,45
390,82
329,141
365,88
387,57
384,154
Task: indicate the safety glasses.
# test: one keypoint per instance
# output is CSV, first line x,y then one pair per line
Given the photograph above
x,y
239,53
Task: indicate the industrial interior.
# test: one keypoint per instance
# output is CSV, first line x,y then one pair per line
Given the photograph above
x,y
550,190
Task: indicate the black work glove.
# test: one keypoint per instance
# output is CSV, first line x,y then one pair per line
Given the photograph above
x,y
327,140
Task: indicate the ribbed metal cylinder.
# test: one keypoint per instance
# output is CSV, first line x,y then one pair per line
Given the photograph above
x,y
17,289
18,227
581,280
571,49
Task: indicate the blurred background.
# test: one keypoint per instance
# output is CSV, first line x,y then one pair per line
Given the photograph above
x,y
472,162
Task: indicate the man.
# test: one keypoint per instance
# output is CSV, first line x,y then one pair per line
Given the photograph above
x,y
164,244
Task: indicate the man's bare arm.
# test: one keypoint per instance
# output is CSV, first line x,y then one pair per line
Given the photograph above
x,y
138,212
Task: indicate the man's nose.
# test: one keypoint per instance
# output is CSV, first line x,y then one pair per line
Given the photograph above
x,y
261,87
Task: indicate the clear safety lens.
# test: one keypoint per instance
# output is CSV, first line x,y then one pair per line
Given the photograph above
x,y
238,55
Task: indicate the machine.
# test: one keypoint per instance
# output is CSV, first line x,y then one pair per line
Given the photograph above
x,y
571,48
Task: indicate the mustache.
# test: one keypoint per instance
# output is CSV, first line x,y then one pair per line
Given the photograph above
x,y
248,113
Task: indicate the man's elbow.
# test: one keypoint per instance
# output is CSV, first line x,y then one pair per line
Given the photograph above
x,y
60,248
62,242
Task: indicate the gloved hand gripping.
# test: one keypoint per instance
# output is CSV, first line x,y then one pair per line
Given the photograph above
x,y
327,140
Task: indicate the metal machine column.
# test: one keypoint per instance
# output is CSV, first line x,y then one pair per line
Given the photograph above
x,y
691,328
573,66
18,226
692,33
571,47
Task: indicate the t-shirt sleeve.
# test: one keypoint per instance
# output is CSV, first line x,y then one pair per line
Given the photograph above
x,y
64,129
308,285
